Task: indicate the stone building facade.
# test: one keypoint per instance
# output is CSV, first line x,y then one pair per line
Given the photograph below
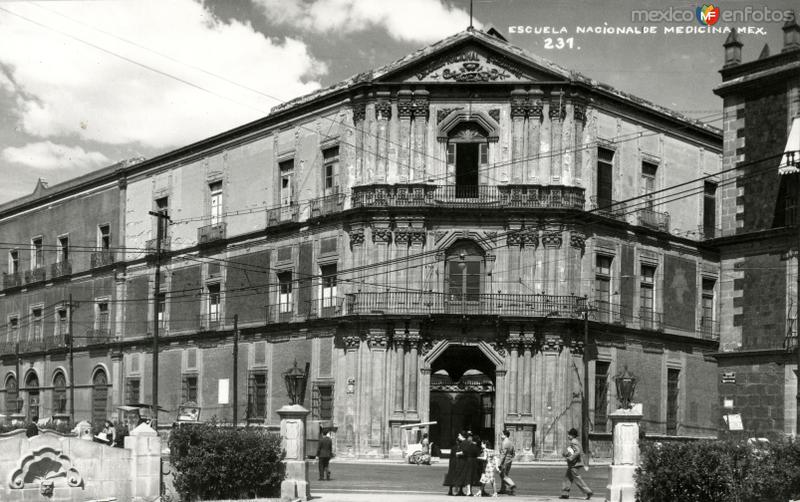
x,y
758,239
428,237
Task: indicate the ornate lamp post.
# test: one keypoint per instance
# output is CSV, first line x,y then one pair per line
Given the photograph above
x,y
293,435
626,385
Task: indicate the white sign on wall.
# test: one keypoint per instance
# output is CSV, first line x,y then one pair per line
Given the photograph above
x,y
223,391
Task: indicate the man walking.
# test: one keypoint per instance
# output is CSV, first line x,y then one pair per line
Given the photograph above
x,y
324,454
506,457
574,463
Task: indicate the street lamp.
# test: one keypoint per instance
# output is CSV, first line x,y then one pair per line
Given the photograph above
x,y
626,385
296,379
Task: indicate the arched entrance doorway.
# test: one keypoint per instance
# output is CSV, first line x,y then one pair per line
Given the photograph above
x,y
99,398
32,387
462,394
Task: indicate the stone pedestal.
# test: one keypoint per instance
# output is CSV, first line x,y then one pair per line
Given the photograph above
x,y
293,441
625,458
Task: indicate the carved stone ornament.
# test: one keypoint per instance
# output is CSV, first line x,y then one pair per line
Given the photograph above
x,y
359,111
558,109
425,346
576,347
579,110
383,110
495,114
466,66
520,106
552,240
420,106
444,112
399,338
381,235
351,342
416,237
402,237
499,348
536,109
514,238
530,237
528,342
356,237
577,241
552,344
44,467
405,105
377,339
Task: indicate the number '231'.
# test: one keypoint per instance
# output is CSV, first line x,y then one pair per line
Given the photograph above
x,y
559,43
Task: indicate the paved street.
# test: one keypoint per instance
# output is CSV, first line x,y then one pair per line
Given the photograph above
x,y
357,481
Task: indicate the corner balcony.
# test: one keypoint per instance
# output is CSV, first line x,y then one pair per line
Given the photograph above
x,y
283,214
329,204
708,329
469,196
653,219
211,233
60,269
499,304
35,275
102,258
12,280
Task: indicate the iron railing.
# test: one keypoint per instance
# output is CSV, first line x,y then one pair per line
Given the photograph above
x,y
103,258
35,275
12,280
329,204
283,214
608,208
211,233
61,268
709,328
411,302
653,219
501,196
608,312
650,319
209,322
39,344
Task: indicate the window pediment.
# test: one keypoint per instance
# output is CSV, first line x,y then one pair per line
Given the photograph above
x,y
468,125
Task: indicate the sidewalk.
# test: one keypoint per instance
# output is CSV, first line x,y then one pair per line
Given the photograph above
x,y
411,496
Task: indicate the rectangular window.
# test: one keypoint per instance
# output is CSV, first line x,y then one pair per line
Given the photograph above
x,y
133,390
103,238
215,199
451,154
162,223
648,183
213,302
190,389
37,253
328,286
601,369
707,301
62,322
605,177
322,402
483,153
36,324
284,292
709,209
257,396
101,318
13,329
672,401
161,309
330,170
287,173
63,249
602,287
13,261
647,296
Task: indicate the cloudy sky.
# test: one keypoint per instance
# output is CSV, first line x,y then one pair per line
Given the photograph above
x,y
84,84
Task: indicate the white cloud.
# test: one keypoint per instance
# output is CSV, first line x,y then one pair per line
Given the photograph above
x,y
70,89
49,155
409,20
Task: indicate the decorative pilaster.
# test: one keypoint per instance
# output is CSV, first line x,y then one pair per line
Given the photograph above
x,y
534,127
558,110
399,340
405,112
527,368
519,112
421,106
381,238
413,339
513,390
383,114
579,115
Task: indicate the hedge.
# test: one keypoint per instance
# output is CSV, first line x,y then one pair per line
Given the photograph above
x,y
209,462
718,471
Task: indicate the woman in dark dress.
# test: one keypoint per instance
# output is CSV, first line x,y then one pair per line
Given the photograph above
x,y
471,475
454,467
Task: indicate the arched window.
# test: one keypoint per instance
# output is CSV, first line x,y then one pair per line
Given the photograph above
x,y
32,386
12,393
467,155
465,265
99,398
59,393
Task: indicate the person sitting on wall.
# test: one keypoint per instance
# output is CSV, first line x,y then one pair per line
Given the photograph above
x,y
32,429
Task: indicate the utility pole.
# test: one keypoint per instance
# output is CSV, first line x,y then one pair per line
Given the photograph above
x,y
161,217
235,370
585,400
70,346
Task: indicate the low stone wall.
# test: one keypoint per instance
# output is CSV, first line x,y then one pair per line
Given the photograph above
x,y
63,468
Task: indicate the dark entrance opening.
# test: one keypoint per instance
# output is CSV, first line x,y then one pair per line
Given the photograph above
x,y
466,170
462,395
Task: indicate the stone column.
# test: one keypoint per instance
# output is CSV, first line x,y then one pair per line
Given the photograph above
x,y
359,114
377,341
513,343
621,485
420,144
533,174
383,114
527,369
348,437
293,442
577,246
519,111
406,143
557,114
579,120
399,369
356,234
551,241
381,237
413,338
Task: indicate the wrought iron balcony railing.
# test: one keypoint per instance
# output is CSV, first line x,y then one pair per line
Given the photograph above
x,y
12,280
329,204
608,208
60,269
653,219
211,233
209,322
150,245
35,275
650,320
709,328
408,302
500,196
103,258
283,214
39,344
608,312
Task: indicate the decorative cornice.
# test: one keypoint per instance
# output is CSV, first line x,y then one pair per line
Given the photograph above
x,y
356,237
383,109
405,104
402,237
552,344
576,347
551,239
577,240
381,235
359,110
377,339
351,342
558,108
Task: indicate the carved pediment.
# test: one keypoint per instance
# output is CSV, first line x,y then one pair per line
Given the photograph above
x,y
470,64
45,465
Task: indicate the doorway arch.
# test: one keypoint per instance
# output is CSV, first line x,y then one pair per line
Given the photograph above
x,y
99,397
34,397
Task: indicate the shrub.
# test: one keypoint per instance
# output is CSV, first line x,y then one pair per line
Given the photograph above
x,y
210,462
718,471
